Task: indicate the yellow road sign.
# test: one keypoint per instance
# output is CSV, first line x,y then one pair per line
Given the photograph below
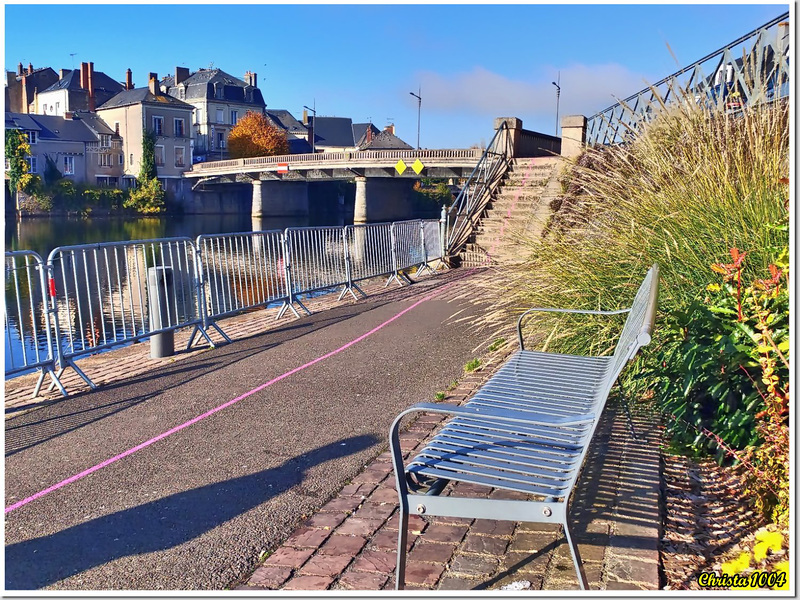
x,y
417,166
401,166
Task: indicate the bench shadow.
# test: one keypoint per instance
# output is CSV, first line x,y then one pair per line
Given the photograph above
x,y
160,524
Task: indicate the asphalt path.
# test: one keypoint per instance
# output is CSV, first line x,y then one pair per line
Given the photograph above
x,y
194,509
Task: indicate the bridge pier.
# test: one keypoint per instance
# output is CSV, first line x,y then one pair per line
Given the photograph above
x,y
279,199
383,199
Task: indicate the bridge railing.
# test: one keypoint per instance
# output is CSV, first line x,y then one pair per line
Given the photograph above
x,y
94,297
750,70
465,212
320,158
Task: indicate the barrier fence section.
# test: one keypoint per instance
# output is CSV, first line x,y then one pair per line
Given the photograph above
x,y
240,271
369,252
407,247
314,260
108,294
432,242
29,341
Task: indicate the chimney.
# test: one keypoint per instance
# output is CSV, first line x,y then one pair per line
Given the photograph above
x,y
251,79
19,70
181,74
128,80
152,83
61,74
68,115
24,90
389,128
305,117
84,76
369,133
116,128
30,68
90,81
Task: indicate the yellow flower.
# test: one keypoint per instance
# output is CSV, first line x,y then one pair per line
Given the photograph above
x,y
773,539
713,287
734,567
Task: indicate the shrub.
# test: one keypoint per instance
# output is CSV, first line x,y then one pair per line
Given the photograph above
x,y
147,198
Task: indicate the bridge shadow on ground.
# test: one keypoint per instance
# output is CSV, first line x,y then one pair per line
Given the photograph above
x,y
161,524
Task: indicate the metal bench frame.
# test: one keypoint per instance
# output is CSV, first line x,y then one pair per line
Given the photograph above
x,y
517,433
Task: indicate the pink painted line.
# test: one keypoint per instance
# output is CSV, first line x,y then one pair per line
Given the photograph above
x,y
190,422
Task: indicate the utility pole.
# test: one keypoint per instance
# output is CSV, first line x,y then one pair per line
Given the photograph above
x,y
313,135
558,97
418,96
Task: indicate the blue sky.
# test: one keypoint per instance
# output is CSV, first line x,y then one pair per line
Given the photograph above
x,y
473,62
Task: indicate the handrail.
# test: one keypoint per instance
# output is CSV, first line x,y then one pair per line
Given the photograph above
x,y
476,193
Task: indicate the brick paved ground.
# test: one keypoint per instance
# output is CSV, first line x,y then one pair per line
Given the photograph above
x,y
350,544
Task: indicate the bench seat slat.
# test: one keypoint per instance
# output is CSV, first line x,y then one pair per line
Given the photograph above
x,y
441,450
564,386
550,407
539,434
519,486
475,465
545,450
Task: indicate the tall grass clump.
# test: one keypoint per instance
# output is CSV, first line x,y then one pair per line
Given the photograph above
x,y
688,186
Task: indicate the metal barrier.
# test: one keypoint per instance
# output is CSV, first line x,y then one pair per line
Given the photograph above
x,y
315,261
432,243
240,271
108,294
407,249
368,253
29,341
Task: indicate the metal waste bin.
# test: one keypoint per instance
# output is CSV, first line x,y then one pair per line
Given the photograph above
x,y
160,295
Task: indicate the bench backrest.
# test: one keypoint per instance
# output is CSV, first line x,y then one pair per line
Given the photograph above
x,y
638,326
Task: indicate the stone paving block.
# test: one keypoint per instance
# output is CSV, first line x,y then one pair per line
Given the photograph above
x,y
484,544
423,574
325,520
492,527
444,533
416,524
642,547
473,565
326,565
525,562
385,494
439,553
453,583
358,489
533,542
357,526
341,504
387,540
309,583
289,557
343,544
306,537
374,510
376,561
270,577
632,570
362,581
621,585
540,527
452,520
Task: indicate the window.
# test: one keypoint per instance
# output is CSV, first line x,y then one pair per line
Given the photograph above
x,y
181,93
107,181
159,156
105,140
221,140
31,160
180,154
220,115
130,160
32,137
121,160
198,116
179,131
104,160
69,165
234,117
58,106
158,125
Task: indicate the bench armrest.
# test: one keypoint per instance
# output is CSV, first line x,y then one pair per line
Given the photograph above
x,y
572,311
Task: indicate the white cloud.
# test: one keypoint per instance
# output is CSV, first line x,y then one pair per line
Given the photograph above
x,y
585,89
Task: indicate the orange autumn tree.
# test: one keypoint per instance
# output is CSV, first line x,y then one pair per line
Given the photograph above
x,y
253,135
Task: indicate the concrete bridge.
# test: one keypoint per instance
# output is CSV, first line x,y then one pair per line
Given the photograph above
x,y
383,178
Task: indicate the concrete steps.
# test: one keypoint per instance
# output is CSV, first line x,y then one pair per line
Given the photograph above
x,y
519,209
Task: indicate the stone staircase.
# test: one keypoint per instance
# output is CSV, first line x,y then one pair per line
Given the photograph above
x,y
519,210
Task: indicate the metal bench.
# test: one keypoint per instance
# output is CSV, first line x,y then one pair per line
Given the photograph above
x,y
527,429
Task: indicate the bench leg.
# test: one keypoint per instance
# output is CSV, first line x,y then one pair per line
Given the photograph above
x,y
576,558
402,538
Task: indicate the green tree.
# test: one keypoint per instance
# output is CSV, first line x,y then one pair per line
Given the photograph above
x,y
17,150
148,168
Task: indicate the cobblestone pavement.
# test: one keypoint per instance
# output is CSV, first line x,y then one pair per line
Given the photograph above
x,y
350,544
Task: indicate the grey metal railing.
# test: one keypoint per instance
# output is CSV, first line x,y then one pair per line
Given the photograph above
x,y
465,212
29,341
750,70
93,297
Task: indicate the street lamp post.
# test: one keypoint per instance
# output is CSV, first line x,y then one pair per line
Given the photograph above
x,y
418,96
558,97
313,135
